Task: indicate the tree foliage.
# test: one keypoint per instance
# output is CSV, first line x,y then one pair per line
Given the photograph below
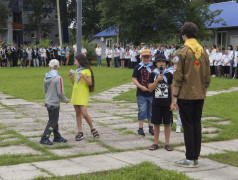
x,y
5,13
37,12
153,20
91,16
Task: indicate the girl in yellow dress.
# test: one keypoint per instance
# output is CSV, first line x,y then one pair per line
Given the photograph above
x,y
83,84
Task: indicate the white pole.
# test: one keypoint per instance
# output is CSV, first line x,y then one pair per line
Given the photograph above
x,y
59,23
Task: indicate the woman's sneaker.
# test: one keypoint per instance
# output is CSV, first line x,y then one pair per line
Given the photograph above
x,y
60,140
185,163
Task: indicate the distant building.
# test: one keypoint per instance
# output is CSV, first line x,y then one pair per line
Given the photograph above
x,y
225,35
18,31
104,38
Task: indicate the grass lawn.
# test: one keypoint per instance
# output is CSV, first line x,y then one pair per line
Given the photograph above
x,y
27,83
145,170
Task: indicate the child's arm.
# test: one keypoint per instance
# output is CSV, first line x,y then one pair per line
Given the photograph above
x,y
135,81
171,105
87,79
152,86
60,90
71,77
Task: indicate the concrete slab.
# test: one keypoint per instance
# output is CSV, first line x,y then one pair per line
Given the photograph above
x,y
231,145
62,167
20,149
15,102
99,163
20,172
10,139
80,149
210,118
209,130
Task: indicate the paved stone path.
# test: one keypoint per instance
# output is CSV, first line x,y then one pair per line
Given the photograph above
x,y
117,125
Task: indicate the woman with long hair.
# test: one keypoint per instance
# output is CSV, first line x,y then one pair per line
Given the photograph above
x,y
83,84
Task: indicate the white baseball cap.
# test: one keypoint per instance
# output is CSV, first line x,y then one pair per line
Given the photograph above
x,y
54,63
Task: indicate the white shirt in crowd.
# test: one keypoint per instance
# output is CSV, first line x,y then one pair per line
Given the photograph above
x,y
98,51
133,56
121,53
84,51
225,60
218,58
211,57
109,53
42,52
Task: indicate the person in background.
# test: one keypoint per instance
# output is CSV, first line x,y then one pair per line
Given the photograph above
x,y
98,52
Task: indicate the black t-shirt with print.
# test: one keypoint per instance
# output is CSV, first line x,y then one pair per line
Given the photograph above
x,y
142,76
162,92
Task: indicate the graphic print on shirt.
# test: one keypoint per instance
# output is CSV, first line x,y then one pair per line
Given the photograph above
x,y
161,90
144,77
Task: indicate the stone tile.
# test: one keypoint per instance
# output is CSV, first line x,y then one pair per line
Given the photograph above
x,y
18,150
63,167
80,149
204,150
14,102
10,139
20,172
99,162
209,130
210,118
224,122
231,145
31,133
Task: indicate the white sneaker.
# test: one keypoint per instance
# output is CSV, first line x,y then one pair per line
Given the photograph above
x,y
178,129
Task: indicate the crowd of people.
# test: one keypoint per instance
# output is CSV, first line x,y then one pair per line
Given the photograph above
x,y
31,55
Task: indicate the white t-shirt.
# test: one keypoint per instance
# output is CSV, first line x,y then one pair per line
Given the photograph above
x,y
84,51
133,56
98,51
218,58
42,52
109,53
211,58
121,53
127,54
225,60
235,59
116,52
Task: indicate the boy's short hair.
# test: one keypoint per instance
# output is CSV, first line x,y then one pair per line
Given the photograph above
x,y
54,63
190,29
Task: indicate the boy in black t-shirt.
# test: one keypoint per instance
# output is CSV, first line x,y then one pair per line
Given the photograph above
x,y
140,78
160,84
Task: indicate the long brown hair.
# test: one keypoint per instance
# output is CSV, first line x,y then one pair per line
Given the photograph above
x,y
83,61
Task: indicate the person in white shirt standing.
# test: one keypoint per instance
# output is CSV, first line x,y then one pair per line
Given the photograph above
x,y
42,53
84,51
122,60
218,63
231,55
211,59
235,64
225,63
98,55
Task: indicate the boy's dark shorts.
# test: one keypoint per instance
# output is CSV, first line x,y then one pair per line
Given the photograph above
x,y
161,115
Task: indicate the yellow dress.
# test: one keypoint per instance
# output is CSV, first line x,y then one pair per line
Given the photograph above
x,y
80,94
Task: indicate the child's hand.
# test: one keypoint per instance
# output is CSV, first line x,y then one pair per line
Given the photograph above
x,y
81,75
160,78
143,88
171,107
67,101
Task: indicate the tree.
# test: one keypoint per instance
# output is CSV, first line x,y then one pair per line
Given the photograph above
x,y
91,17
5,13
153,20
37,11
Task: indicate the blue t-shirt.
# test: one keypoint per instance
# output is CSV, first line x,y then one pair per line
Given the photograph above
x,y
62,52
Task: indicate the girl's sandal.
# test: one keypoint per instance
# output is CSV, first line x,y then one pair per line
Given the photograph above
x,y
79,136
95,133
168,147
154,147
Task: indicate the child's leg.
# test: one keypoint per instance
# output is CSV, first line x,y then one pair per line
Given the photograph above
x,y
78,117
167,133
52,123
156,133
84,112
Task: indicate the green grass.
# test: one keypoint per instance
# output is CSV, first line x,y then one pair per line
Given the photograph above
x,y
145,170
230,158
27,83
